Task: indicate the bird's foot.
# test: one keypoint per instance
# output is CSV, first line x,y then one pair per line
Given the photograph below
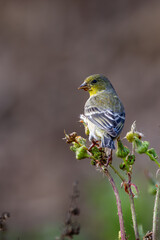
x,y
94,143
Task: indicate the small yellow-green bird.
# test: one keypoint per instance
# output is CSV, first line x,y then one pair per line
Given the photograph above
x,y
104,113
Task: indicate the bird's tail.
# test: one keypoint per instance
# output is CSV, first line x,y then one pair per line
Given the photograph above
x,y
107,142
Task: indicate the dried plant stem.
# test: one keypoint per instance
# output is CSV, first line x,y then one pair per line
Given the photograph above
x,y
134,217
121,222
156,230
133,209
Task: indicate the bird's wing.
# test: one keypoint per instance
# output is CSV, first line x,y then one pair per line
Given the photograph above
x,y
106,119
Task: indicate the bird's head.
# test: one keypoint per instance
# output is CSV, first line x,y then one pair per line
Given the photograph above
x,y
95,83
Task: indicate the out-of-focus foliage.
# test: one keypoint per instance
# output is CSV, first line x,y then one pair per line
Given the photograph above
x,y
103,211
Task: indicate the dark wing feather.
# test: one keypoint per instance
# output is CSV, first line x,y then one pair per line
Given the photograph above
x,y
107,120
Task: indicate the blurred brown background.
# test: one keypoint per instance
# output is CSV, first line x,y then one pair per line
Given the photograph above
x,y
47,48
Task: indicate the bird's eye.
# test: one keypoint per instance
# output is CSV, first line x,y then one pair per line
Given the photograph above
x,y
94,81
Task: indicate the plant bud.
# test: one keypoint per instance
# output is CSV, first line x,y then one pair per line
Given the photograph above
x,y
96,153
70,137
74,146
81,140
130,136
81,153
152,154
122,151
122,166
142,146
131,159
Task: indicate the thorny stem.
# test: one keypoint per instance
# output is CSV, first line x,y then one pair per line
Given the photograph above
x,y
156,230
121,222
133,209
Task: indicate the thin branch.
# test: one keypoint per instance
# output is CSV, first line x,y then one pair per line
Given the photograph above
x,y
135,226
156,230
121,222
119,175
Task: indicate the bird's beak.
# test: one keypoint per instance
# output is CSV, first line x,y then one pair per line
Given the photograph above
x,y
84,86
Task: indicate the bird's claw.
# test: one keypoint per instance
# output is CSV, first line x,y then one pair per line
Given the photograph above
x,y
94,143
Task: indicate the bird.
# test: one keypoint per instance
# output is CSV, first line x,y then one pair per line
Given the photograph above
x,y
104,112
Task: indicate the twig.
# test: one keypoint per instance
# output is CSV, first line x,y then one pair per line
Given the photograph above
x,y
119,175
133,208
120,214
156,230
